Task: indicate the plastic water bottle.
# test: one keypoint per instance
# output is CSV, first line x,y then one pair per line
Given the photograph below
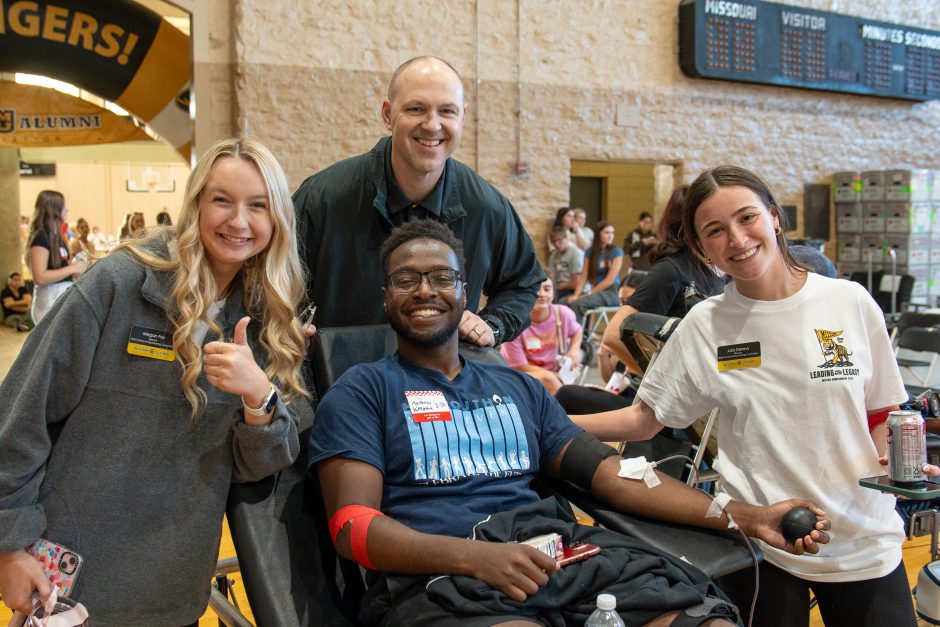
x,y
606,613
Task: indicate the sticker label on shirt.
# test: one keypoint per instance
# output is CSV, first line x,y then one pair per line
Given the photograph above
x,y
533,343
738,356
152,343
428,406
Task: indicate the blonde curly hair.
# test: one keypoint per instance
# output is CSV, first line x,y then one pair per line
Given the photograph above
x,y
273,280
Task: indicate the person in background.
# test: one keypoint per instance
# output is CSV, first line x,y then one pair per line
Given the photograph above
x,y
677,280
553,336
564,264
580,217
564,219
16,300
24,245
67,233
133,225
81,243
164,219
601,271
640,242
125,230
24,232
124,450
814,260
98,239
802,370
48,254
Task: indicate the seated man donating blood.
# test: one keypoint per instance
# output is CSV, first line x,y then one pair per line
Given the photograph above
x,y
425,462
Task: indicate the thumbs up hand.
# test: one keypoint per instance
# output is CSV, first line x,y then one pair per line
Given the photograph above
x,y
241,332
231,367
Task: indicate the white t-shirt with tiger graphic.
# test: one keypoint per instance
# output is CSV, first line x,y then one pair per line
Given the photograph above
x,y
794,379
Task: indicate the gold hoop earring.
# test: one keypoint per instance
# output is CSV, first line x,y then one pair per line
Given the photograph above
x,y
778,230
708,261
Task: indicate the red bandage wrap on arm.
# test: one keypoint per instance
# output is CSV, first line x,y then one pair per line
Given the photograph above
x,y
876,419
359,518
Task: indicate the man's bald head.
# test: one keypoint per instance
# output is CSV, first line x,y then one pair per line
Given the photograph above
x,y
423,63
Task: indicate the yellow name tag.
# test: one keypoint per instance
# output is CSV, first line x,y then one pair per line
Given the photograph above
x,y
738,356
152,343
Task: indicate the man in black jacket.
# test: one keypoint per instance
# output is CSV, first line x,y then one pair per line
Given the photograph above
x,y
347,210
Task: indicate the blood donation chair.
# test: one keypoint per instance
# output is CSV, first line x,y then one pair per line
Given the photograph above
x,y
288,572
292,574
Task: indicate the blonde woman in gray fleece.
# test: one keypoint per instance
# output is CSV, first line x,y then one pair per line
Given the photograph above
x,y
122,449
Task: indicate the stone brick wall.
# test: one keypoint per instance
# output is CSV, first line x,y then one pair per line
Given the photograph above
x,y
310,77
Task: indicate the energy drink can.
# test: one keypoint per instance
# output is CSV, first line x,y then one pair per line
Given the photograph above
x,y
907,448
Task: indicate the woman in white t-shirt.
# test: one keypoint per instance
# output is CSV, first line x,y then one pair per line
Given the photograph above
x,y
802,370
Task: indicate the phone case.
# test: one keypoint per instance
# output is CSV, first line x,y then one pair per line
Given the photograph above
x,y
59,563
930,489
577,552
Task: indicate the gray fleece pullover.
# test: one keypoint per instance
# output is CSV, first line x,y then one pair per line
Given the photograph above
x,y
98,453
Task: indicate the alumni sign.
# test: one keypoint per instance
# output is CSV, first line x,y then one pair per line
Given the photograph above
x,y
32,116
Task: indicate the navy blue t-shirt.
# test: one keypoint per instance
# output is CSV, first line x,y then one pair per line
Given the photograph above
x,y
470,448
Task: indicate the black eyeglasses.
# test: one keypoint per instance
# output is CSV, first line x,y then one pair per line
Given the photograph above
x,y
406,281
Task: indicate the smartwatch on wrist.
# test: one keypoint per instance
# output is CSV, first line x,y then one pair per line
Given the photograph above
x,y
267,405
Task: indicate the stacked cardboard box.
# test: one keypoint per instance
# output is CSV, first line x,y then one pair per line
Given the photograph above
x,y
890,210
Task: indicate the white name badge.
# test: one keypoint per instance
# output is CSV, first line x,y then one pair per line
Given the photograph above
x,y
533,343
428,406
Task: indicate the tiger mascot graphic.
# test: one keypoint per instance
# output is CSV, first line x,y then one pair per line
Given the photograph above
x,y
834,352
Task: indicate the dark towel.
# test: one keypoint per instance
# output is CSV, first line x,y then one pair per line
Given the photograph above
x,y
646,581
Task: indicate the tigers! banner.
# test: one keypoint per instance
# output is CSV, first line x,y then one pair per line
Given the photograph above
x,y
116,49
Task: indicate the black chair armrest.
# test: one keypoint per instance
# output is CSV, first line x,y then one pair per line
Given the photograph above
x,y
643,333
714,553
654,325
287,569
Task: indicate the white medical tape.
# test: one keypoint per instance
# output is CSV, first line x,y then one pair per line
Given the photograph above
x,y
717,507
639,468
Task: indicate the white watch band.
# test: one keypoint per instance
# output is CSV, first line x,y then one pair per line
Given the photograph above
x,y
266,405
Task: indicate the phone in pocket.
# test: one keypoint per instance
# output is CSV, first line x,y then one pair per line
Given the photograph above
x,y
60,564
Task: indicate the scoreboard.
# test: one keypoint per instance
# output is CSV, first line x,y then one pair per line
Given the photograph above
x,y
776,44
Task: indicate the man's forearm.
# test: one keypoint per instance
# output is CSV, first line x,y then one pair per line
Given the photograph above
x,y
394,547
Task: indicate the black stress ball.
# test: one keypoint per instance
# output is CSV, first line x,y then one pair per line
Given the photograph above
x,y
798,522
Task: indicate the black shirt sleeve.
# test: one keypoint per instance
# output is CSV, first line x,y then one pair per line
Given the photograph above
x,y
515,278
661,292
